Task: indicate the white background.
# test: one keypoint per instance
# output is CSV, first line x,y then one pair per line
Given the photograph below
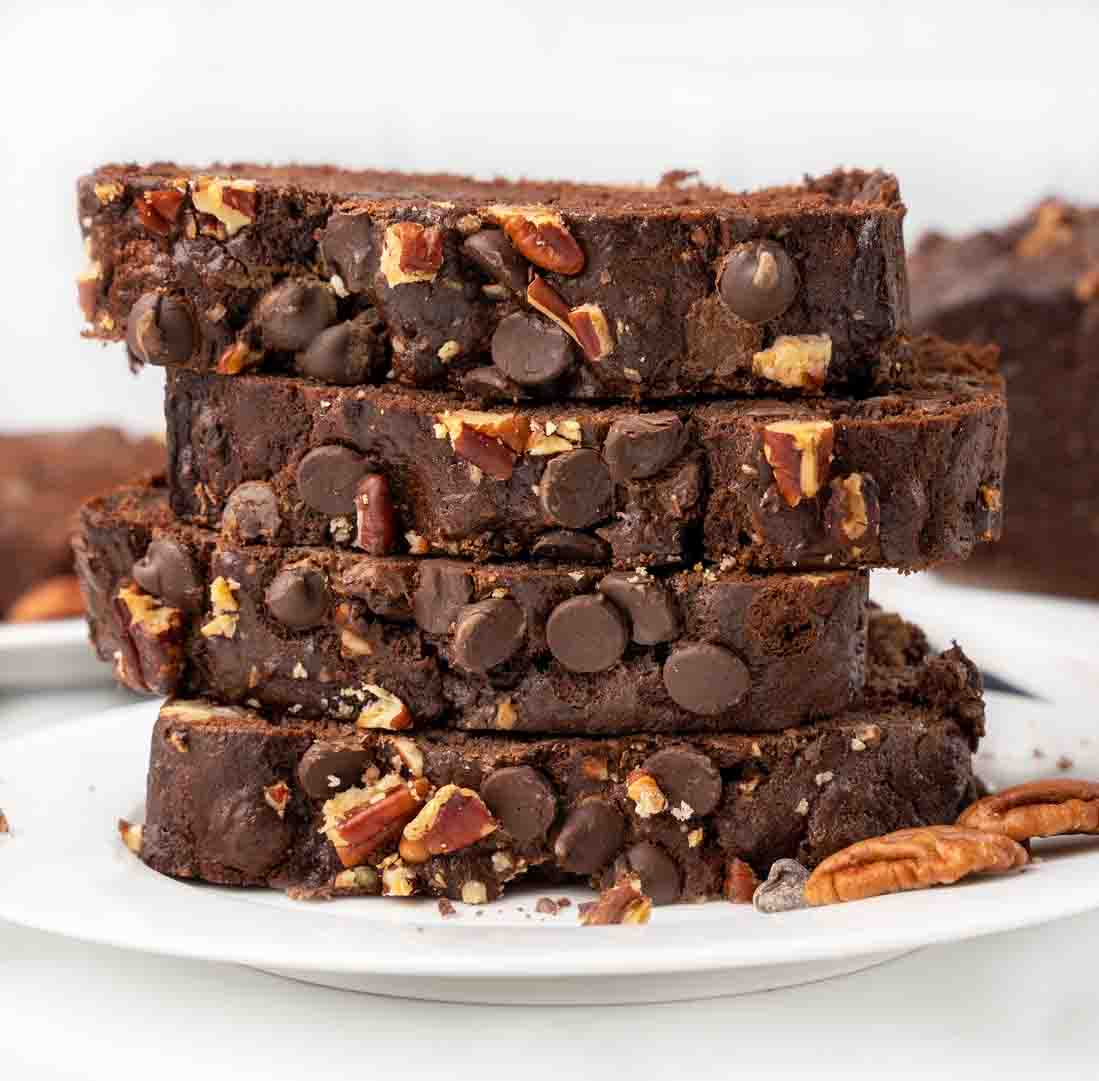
x,y
981,108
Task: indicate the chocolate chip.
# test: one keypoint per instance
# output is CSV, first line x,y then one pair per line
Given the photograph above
x,y
641,446
704,678
443,590
530,350
784,889
339,355
243,833
490,385
497,257
160,330
328,477
167,571
328,768
658,871
291,314
298,597
685,777
251,513
651,608
758,281
590,837
348,247
523,801
565,546
576,489
488,633
586,634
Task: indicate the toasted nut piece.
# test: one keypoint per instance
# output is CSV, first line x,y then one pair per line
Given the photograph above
x,y
358,879
543,297
594,769
237,358
387,711
361,821
592,331
231,201
646,795
55,598
990,497
1038,809
852,514
151,640
277,796
5,828
910,859
506,714
795,360
411,757
453,819
225,604
376,517
107,191
87,288
800,453
621,903
741,882
158,210
474,893
190,711
132,835
411,253
542,445
541,235
397,879
511,429
488,455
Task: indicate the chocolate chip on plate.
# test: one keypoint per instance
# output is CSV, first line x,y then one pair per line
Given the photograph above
x,y
592,834
523,801
348,247
488,633
160,330
291,314
167,571
586,634
648,602
298,597
576,489
567,546
529,350
642,445
685,777
328,768
704,678
497,257
658,871
251,512
328,478
758,281
443,590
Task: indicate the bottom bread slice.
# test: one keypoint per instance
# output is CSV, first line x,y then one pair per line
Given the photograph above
x,y
322,809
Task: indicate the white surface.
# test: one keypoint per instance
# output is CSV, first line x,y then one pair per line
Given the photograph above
x,y
980,107
79,881
52,653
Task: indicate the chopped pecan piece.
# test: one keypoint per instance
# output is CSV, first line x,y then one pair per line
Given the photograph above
x,y
232,201
150,655
159,210
624,902
411,252
910,859
1038,809
132,835
277,796
453,819
795,360
741,882
800,454
512,429
361,821
647,798
591,330
386,711
489,455
852,514
376,517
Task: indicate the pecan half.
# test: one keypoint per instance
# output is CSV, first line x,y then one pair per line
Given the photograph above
x,y
150,655
541,235
624,902
1038,809
910,859
55,598
411,252
453,819
800,454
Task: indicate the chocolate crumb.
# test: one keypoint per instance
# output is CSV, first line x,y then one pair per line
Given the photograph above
x,y
563,902
547,906
1064,762
446,909
1038,753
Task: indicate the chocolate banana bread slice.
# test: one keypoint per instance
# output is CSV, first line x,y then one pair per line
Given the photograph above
x,y
402,642
1032,287
326,810
521,289
904,479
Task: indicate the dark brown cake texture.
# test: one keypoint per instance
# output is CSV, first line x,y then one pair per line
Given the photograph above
x,y
325,810
44,477
904,479
399,642
520,289
1032,287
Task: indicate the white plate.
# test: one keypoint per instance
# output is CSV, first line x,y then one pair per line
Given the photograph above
x,y
63,869
54,653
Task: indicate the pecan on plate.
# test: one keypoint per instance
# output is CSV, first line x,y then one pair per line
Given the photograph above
x,y
1038,809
